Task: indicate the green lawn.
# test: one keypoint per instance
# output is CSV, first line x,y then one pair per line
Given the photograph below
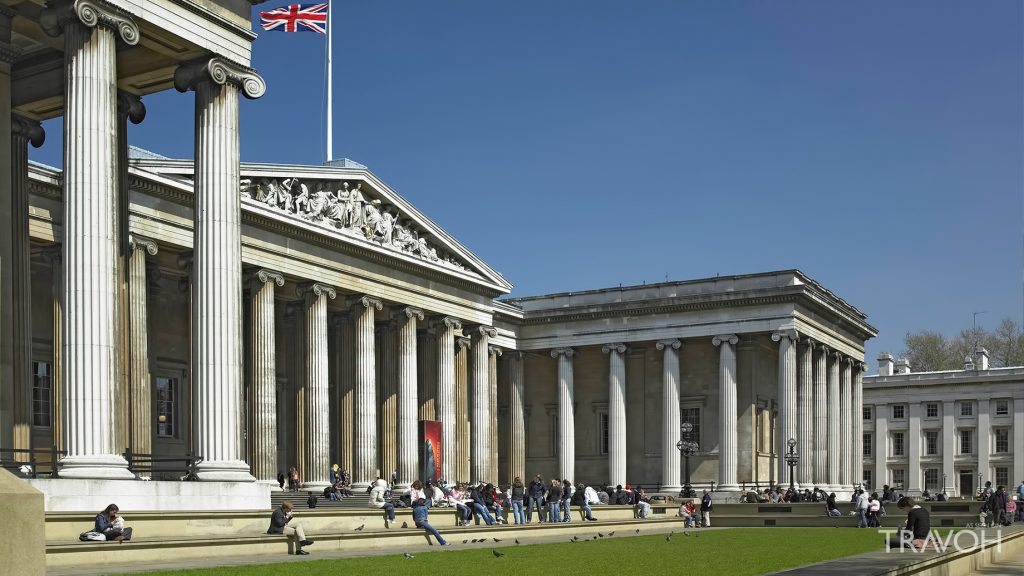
x,y
729,552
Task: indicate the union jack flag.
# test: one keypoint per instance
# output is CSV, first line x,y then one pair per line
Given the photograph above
x,y
296,18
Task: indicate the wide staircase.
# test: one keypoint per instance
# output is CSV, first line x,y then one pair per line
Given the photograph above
x,y
350,526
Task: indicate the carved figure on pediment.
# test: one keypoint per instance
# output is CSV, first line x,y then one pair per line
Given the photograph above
x,y
244,185
387,227
403,239
301,200
282,196
372,220
356,202
318,203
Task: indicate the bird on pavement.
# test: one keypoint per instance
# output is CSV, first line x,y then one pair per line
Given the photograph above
x,y
599,535
407,555
637,531
497,554
405,524
517,541
465,541
496,539
361,526
611,534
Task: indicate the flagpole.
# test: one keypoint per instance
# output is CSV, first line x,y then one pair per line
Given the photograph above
x,y
330,85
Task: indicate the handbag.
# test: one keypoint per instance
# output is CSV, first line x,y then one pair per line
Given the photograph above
x,y
91,535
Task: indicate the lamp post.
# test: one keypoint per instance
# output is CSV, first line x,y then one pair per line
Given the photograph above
x,y
688,448
791,459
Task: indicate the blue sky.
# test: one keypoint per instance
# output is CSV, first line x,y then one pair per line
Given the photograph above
x,y
877,146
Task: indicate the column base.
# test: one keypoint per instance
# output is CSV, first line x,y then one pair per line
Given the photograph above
x,y
360,487
274,486
671,489
223,471
726,494
97,466
402,487
315,487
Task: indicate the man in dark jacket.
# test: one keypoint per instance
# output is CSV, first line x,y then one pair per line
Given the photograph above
x,y
705,509
535,494
918,526
621,498
281,522
579,498
997,506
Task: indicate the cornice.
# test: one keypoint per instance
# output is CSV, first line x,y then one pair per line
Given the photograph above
x,y
221,21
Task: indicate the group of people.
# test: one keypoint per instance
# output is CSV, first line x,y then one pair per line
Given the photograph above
x,y
999,508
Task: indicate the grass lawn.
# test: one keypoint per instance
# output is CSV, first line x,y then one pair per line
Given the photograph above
x,y
729,552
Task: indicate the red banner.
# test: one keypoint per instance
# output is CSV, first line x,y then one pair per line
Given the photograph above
x,y
430,443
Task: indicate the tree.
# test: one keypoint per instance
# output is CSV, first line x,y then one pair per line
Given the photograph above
x,y
929,351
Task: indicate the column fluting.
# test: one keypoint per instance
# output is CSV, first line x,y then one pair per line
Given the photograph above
x,y
857,415
833,420
140,393
727,444
805,411
263,383
318,410
846,423
670,432
821,417
616,413
445,400
787,399
566,418
517,421
408,403
480,405
493,352
365,453
463,449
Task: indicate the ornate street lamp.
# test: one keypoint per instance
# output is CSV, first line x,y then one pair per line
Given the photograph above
x,y
688,448
792,458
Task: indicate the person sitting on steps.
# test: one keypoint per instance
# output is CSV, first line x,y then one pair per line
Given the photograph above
x,y
281,522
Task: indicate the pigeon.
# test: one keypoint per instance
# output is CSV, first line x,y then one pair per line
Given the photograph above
x,y
575,538
465,541
668,538
686,534
610,534
407,555
497,554
496,539
637,531
594,538
405,524
517,541
599,535
361,526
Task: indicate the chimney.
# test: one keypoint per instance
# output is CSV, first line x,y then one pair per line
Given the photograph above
x,y
885,364
981,358
903,366
968,362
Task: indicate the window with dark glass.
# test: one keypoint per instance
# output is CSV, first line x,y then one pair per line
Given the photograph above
x,y
166,390
897,444
604,433
931,411
898,412
966,446
42,388
867,444
1002,440
931,442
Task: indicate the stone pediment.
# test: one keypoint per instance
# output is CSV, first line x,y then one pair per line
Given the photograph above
x,y
351,204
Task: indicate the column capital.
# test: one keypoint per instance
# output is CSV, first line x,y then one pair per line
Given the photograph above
x,y
848,360
90,13
790,333
140,243
811,343
836,355
463,341
27,130
494,350
129,105
446,322
365,302
481,330
823,348
860,366
220,71
313,290
411,312
730,338
618,347
673,343
263,276
567,352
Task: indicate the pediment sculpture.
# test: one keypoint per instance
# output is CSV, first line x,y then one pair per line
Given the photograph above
x,y
345,207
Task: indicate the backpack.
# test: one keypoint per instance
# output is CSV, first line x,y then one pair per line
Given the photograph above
x,y
311,501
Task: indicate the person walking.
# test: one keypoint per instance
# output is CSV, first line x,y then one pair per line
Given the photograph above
x,y
516,494
282,522
420,508
554,501
536,494
861,507
706,507
378,499
997,506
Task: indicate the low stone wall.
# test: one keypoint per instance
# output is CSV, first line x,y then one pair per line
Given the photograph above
x,y
23,546
79,495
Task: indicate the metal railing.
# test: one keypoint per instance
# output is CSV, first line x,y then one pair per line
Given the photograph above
x,y
148,464
17,459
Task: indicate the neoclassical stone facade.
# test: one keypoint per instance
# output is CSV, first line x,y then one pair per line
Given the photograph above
x,y
266,316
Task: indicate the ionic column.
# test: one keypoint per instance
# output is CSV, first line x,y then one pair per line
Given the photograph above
x,y
517,432
217,265
263,387
670,432
445,400
408,404
318,410
834,481
346,374
480,417
787,398
493,352
387,377
949,437
617,413
9,54
463,449
23,132
365,454
846,477
727,444
91,250
140,394
821,417
805,413
566,420
857,416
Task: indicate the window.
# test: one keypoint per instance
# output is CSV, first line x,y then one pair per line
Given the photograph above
x,y
898,412
1002,476
866,415
692,415
898,477
931,411
931,479
166,407
965,442
897,443
867,479
867,444
603,433
1002,407
41,387
966,409
931,442
1002,440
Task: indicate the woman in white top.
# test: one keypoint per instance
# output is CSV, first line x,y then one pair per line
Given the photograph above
x,y
378,499
457,498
